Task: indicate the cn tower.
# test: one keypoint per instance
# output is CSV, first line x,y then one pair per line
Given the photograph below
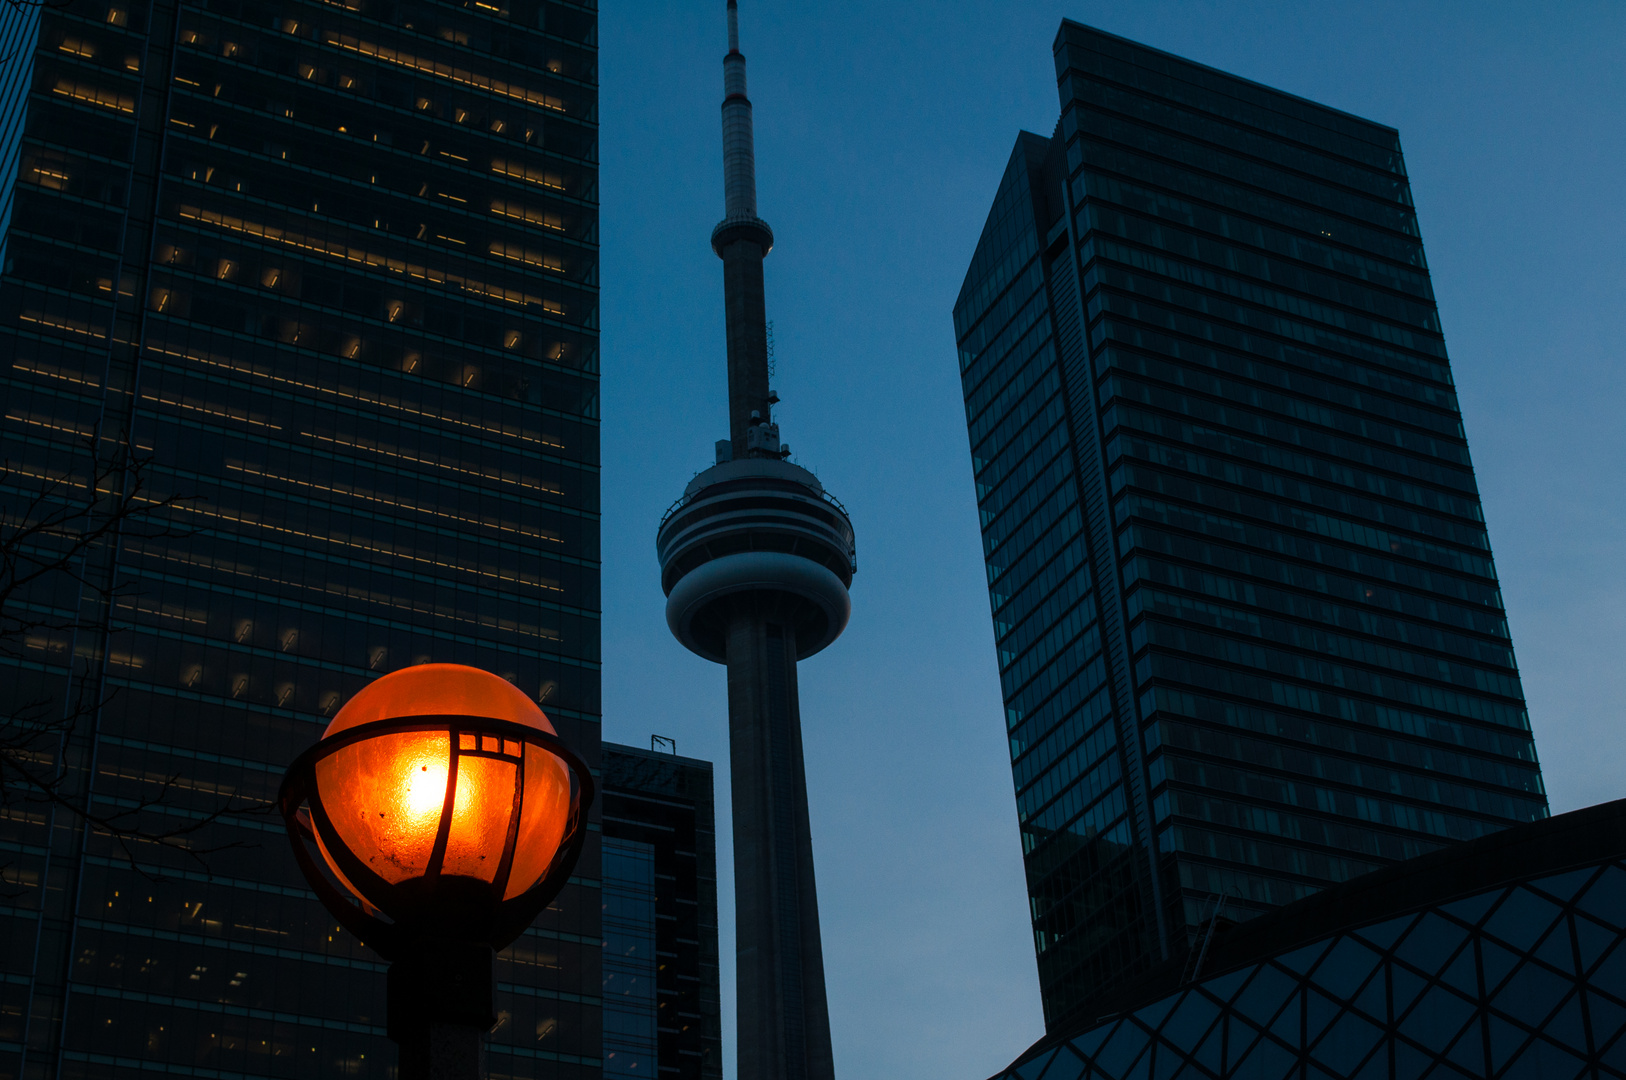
x,y
756,559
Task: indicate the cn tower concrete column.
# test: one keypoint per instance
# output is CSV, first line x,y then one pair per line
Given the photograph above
x,y
783,1016
747,314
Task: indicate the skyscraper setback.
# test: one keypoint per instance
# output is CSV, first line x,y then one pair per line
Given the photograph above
x,y
331,268
1249,630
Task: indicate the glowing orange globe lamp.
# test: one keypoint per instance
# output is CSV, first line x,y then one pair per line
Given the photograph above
x,y
445,814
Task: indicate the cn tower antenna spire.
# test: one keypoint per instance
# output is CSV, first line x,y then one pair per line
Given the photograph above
x,y
756,561
742,240
739,150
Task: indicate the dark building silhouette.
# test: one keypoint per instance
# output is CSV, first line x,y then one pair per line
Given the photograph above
x,y
332,267
662,986
1249,631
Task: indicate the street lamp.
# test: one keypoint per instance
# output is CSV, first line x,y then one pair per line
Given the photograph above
x,y
447,814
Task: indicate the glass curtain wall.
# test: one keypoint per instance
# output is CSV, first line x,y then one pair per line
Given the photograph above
x,y
630,1013
19,24
665,803
1249,629
330,268
1089,873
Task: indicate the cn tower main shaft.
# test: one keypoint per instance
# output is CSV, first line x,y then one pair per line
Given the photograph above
x,y
756,560
783,1018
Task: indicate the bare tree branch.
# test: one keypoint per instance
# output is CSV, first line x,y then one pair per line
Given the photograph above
x,y
59,536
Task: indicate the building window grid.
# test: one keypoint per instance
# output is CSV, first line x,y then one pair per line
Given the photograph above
x,y
1106,282
1385,226
1187,612
1345,769
1432,445
1360,353
1112,234
66,346
631,1018
1233,134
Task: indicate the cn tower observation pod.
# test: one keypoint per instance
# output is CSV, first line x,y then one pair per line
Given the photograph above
x,y
756,559
762,530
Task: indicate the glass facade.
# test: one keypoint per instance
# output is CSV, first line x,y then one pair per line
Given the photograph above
x,y
19,24
1526,979
331,268
630,1013
1249,630
662,984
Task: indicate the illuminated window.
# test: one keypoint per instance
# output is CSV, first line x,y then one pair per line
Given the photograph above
x,y
545,260
521,212
442,70
94,95
518,171
51,175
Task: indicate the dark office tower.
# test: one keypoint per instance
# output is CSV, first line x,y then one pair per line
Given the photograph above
x,y
331,268
1249,631
756,560
662,989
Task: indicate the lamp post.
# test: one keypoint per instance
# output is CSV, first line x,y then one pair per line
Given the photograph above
x,y
445,814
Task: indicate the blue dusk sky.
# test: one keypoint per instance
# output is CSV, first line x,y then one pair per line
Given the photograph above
x,y
882,130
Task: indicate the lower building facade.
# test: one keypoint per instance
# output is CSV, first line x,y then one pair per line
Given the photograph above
x,y
662,988
1503,957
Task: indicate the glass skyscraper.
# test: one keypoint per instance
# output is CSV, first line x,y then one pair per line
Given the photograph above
x,y
1249,630
331,268
662,984
631,1010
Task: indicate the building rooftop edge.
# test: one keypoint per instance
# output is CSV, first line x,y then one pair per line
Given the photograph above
x,y
1023,137
1065,23
1536,849
653,755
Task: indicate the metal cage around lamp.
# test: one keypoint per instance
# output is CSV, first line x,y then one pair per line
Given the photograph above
x,y
443,802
